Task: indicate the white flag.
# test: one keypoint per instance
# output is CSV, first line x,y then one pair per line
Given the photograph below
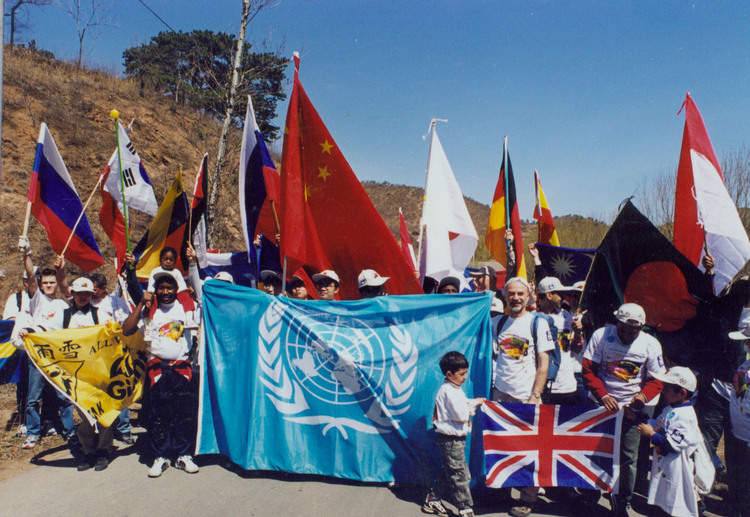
x,y
139,193
449,238
726,238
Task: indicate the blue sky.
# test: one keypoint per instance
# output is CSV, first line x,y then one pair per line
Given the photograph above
x,y
587,91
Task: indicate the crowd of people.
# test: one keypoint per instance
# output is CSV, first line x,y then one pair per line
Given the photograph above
x,y
546,350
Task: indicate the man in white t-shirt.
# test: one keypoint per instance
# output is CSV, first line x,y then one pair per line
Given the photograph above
x,y
43,305
168,374
618,364
522,362
549,301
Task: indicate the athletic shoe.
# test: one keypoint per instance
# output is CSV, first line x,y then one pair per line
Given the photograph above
x,y
30,442
87,462
127,439
51,431
21,431
159,466
521,511
186,463
434,506
102,461
466,512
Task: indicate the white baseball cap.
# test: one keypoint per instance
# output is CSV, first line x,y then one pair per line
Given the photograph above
x,y
370,277
679,376
82,285
224,276
326,273
631,314
550,284
578,286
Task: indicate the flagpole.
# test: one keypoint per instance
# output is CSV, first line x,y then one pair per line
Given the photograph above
x,y
80,216
116,115
505,181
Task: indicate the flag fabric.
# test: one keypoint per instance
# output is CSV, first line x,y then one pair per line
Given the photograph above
x,y
636,263
550,446
505,208
342,389
56,205
167,229
237,264
139,194
98,368
704,211
449,237
328,221
406,247
199,202
545,223
259,182
10,357
570,265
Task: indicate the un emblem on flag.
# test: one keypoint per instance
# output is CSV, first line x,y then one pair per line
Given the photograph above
x,y
342,362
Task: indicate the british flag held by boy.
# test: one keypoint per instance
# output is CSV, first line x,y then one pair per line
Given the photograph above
x,y
545,445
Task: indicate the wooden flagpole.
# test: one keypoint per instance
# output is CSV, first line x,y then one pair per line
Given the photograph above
x,y
80,216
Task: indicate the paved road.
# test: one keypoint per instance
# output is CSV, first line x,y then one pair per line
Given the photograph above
x,y
54,487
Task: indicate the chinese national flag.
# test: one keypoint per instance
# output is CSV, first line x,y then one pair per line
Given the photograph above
x,y
546,225
328,221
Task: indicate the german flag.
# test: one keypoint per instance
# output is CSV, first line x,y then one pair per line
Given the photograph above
x,y
504,213
545,224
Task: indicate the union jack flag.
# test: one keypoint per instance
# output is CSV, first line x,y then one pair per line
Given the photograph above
x,y
544,445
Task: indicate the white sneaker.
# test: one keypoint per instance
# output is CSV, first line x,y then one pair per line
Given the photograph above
x,y
186,463
21,431
159,466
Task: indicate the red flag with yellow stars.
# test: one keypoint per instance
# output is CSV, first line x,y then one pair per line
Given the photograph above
x,y
328,221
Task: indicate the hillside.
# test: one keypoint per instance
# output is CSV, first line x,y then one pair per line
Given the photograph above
x,y
75,104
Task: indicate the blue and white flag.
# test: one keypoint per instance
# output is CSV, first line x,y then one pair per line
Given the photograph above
x,y
343,389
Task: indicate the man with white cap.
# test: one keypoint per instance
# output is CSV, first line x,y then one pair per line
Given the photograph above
x,y
271,282
562,390
371,284
618,367
522,343
327,283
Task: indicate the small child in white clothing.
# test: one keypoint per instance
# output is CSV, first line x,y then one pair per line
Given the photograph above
x,y
675,436
452,421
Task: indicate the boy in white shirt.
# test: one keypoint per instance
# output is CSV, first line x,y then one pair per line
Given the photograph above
x,y
675,436
452,421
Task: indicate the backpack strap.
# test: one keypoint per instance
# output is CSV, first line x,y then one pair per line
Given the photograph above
x,y
68,314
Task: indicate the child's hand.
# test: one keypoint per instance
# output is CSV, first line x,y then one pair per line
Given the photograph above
x,y
477,402
646,430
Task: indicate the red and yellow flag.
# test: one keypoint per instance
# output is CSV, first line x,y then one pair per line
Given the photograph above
x,y
503,214
328,221
545,224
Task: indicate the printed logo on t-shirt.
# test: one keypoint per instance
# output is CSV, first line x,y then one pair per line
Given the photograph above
x,y
514,346
624,370
172,330
563,340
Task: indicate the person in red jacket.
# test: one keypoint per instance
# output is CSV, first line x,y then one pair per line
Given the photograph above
x,y
618,364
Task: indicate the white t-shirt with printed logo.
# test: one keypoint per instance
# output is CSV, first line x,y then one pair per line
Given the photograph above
x,y
623,369
565,381
165,333
515,368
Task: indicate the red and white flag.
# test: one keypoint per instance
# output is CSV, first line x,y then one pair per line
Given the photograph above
x,y
449,238
705,217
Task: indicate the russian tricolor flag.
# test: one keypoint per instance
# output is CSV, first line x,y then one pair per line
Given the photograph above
x,y
259,181
56,205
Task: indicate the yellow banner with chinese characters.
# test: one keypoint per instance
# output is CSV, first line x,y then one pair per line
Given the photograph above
x,y
97,367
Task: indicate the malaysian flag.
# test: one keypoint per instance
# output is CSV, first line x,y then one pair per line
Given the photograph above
x,y
545,445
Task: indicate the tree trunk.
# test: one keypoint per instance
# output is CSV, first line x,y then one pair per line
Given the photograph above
x,y
216,176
